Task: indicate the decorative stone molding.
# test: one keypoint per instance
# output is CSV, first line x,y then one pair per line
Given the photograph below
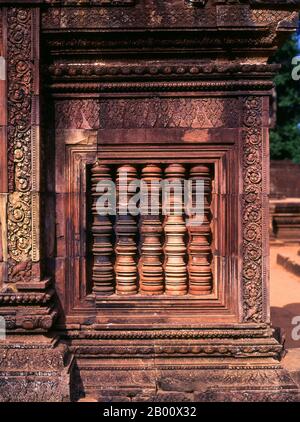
x,y
94,87
250,333
89,71
11,298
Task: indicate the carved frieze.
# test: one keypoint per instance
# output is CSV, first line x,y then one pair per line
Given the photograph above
x,y
155,14
155,41
28,299
87,70
77,114
267,16
173,334
150,13
184,350
168,113
182,86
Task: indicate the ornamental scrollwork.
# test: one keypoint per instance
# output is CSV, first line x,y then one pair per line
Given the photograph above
x,y
19,74
252,210
19,105
19,235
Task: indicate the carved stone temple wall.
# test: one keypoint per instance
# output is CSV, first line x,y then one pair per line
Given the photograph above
x,y
284,202
125,307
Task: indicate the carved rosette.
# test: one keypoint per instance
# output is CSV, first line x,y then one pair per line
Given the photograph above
x,y
252,272
20,76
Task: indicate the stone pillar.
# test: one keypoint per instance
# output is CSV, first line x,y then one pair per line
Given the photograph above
x,y
26,293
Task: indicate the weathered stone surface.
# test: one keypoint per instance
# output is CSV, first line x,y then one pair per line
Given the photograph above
x,y
202,381
147,309
33,371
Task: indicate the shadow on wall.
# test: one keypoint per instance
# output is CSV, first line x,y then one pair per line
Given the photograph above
x,y
285,317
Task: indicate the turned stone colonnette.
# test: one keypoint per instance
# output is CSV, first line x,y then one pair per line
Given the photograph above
x,y
139,258
150,308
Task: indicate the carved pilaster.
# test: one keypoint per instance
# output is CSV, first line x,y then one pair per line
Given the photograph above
x,y
175,230
102,272
252,210
126,230
200,254
22,201
23,143
151,270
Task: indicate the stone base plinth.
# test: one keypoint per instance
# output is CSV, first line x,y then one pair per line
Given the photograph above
x,y
207,366
33,369
42,370
211,381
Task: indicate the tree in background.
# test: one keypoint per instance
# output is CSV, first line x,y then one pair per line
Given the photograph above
x,y
285,138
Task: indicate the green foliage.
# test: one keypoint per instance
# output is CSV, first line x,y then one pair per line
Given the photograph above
x,y
285,138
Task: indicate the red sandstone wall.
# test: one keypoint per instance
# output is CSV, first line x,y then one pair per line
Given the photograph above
x,y
285,179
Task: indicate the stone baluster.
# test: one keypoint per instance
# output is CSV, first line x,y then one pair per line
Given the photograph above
x,y
126,231
175,230
199,266
150,266
102,271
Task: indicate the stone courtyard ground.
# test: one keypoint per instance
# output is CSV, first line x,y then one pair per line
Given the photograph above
x,y
285,305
